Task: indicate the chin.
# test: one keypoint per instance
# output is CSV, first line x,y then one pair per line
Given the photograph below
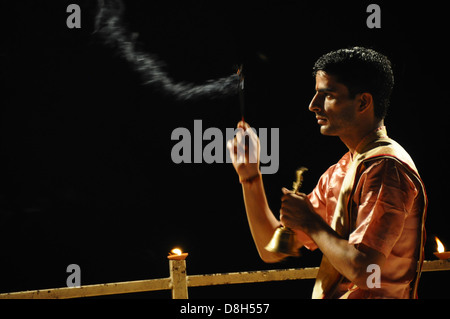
x,y
326,130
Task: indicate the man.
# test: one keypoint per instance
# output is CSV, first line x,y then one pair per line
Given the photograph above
x,y
367,211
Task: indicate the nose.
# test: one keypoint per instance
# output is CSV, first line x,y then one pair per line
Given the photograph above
x,y
316,103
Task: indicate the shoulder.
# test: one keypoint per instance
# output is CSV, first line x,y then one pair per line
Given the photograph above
x,y
389,172
340,167
386,164
332,178
337,170
390,149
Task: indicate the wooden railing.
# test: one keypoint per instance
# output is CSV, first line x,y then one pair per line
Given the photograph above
x,y
179,281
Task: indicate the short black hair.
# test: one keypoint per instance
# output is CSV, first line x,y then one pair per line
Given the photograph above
x,y
361,70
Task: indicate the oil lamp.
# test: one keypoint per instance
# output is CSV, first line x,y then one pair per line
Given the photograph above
x,y
441,253
177,254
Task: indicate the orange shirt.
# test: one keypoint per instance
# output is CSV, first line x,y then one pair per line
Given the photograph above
x,y
388,218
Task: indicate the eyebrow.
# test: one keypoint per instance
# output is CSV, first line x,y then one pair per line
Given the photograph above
x,y
326,89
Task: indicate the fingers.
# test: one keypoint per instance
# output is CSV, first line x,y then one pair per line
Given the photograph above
x,y
243,125
289,195
287,215
238,149
291,204
244,148
232,148
296,210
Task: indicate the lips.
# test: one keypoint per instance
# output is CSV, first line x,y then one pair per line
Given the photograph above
x,y
321,120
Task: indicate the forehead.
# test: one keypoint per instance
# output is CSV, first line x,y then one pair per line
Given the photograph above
x,y
329,83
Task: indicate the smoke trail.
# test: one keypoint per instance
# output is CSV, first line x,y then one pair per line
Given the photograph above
x,y
109,25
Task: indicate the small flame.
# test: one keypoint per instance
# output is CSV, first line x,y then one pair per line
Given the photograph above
x,y
176,251
440,246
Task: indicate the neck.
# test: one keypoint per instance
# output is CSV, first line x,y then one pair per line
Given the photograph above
x,y
354,138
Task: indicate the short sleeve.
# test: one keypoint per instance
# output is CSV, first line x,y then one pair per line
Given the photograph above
x,y
383,198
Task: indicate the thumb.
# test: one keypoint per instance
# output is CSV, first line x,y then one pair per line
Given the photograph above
x,y
285,191
243,125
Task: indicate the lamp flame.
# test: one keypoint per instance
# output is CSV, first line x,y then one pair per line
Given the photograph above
x,y
176,251
440,246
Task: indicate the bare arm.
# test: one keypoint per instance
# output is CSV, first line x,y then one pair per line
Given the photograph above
x,y
262,221
350,261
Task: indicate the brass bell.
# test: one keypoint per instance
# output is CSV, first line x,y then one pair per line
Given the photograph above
x,y
283,239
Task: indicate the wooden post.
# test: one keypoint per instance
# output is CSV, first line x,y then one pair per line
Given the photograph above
x,y
178,279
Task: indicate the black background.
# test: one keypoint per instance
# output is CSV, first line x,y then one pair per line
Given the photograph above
x,y
86,172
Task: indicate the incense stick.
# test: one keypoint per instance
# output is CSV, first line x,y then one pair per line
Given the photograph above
x,y
241,91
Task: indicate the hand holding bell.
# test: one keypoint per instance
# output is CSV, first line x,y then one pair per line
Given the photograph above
x,y
283,239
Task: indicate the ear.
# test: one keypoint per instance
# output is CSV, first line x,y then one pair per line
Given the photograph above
x,y
366,102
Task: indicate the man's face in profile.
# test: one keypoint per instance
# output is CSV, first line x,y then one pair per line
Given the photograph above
x,y
335,110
